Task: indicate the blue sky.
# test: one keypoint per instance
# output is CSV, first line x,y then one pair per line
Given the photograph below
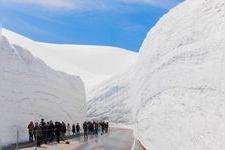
x,y
119,23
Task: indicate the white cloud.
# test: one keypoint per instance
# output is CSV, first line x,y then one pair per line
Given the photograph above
x,y
64,4
91,4
149,2
156,3
67,4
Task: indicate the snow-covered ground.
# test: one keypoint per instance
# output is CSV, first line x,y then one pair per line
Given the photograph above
x,y
94,64
30,90
176,89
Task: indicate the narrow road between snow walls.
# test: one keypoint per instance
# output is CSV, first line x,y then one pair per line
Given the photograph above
x,y
115,139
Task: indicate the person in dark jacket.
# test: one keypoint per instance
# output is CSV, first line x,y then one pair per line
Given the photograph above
x,y
31,131
38,134
78,128
91,128
85,128
106,127
51,129
57,131
73,129
96,125
63,131
43,126
102,124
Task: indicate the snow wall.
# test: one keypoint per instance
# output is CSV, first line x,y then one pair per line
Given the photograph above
x,y
0,72
176,90
111,101
30,90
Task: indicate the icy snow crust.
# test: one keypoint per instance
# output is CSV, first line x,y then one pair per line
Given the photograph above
x,y
176,89
30,90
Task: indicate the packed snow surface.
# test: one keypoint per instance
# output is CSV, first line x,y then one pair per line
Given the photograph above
x,y
176,90
94,64
30,90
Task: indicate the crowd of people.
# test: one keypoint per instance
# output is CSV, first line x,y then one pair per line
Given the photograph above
x,y
45,132
92,128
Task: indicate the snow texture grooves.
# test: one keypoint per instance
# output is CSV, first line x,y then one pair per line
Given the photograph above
x,y
31,90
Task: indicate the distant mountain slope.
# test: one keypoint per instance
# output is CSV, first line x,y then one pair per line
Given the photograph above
x,y
30,90
176,91
93,64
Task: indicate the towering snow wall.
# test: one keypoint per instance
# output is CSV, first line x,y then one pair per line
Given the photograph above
x,y
0,72
30,90
180,79
177,89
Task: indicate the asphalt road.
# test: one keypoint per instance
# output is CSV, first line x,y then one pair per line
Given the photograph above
x,y
116,139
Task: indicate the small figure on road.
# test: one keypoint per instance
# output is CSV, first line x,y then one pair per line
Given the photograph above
x,y
85,127
73,129
38,134
31,131
57,131
43,127
63,131
78,128
96,128
106,127
68,129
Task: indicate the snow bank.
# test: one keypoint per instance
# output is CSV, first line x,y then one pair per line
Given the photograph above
x,y
180,79
30,90
94,64
0,109
176,89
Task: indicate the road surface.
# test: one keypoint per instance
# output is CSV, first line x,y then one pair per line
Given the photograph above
x,y
116,139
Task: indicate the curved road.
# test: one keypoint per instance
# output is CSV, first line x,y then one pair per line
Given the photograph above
x,y
116,139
